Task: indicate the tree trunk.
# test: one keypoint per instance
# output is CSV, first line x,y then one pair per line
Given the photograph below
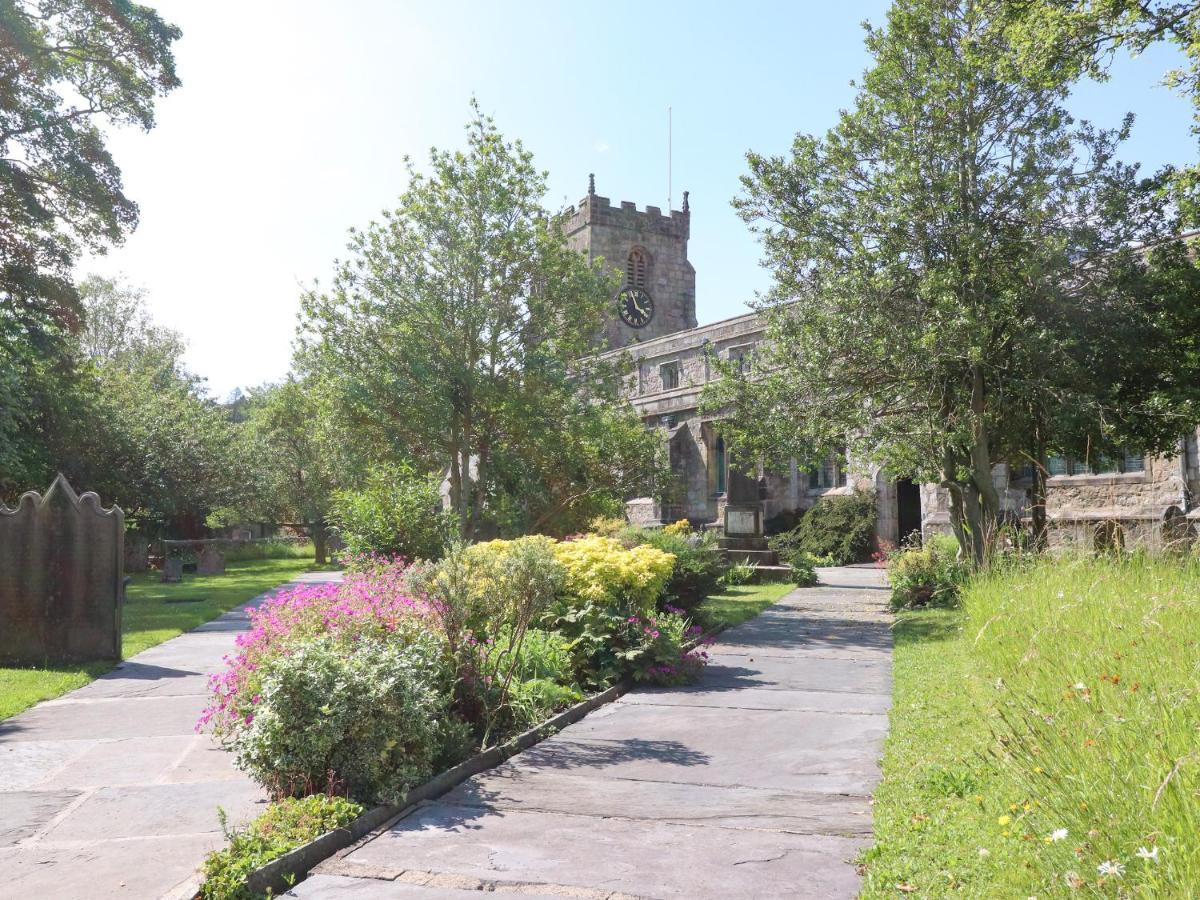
x,y
320,537
982,499
1037,508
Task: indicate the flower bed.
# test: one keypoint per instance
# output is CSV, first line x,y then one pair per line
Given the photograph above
x,y
366,688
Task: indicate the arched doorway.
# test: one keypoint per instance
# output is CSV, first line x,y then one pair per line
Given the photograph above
x,y
908,511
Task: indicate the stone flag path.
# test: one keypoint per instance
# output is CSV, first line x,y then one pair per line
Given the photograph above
x,y
753,783
108,791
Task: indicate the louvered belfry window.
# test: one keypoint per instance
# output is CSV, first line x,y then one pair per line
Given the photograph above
x,y
635,269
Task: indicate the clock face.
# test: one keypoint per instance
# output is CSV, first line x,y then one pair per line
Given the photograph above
x,y
635,307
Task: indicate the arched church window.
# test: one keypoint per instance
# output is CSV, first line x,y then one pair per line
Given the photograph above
x,y
635,268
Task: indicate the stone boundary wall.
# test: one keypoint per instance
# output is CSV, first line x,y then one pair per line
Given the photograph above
x,y
61,574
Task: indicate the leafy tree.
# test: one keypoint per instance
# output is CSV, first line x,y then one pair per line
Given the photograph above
x,y
394,512
68,68
578,460
932,255
38,381
289,447
142,430
450,333
1063,40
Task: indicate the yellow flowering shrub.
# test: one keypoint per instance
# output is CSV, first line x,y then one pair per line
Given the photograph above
x,y
498,550
600,569
683,526
607,526
500,572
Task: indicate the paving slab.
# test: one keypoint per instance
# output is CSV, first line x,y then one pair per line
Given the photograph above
x,y
157,810
754,782
383,889
143,868
643,858
28,812
844,702
725,745
108,791
24,764
111,718
512,787
106,763
736,668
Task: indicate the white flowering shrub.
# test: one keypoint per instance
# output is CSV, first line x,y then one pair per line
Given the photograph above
x,y
368,719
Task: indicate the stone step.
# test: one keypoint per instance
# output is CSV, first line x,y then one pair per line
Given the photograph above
x,y
754,557
743,543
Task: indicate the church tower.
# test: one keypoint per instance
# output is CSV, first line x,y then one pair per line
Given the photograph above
x,y
649,250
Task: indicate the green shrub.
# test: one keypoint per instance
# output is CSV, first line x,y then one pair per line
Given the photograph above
x,y
738,573
396,513
286,825
532,702
782,521
270,549
486,598
839,530
545,681
804,571
930,575
367,718
699,564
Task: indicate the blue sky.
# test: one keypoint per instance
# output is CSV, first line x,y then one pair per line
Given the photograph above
x,y
293,121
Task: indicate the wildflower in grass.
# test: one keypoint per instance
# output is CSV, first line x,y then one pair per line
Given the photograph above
x,y
1058,834
1111,867
984,852
1003,820
1149,855
1079,686
1074,882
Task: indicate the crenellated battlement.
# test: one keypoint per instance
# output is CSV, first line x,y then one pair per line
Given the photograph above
x,y
594,209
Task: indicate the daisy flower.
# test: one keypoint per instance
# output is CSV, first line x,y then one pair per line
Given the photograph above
x,y
1111,867
1151,854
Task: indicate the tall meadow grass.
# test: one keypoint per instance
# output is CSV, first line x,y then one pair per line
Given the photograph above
x,y
1092,674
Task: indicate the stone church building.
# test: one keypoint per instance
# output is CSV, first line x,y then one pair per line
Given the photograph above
x,y
1135,500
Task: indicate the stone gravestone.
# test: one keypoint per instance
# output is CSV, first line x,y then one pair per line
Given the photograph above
x,y
61,574
211,561
137,553
172,569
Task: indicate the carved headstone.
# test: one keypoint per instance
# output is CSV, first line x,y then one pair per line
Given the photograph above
x,y
137,553
211,561
61,574
172,570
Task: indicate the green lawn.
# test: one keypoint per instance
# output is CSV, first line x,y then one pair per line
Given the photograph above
x,y
1044,735
149,620
737,604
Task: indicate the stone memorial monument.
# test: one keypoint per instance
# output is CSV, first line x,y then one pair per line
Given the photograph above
x,y
61,578
211,561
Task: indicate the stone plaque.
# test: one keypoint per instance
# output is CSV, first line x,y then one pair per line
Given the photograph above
x,y
61,574
741,521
